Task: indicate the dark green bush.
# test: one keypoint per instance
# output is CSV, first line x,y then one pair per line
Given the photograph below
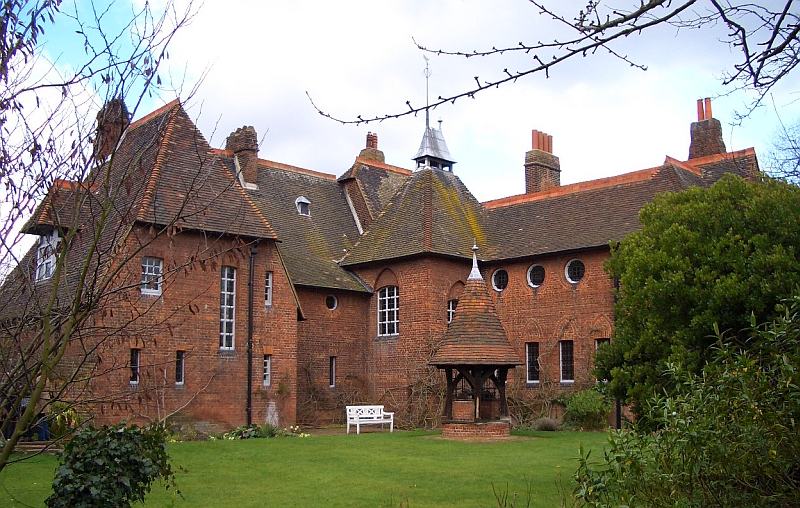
x,y
111,466
587,410
727,437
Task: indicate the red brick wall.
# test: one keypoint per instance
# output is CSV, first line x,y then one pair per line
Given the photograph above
x,y
557,310
397,366
186,317
325,333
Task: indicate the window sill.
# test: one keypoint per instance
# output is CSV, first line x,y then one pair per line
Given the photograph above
x,y
532,384
567,382
150,293
387,337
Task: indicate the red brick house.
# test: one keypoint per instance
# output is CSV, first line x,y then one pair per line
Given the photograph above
x,y
353,279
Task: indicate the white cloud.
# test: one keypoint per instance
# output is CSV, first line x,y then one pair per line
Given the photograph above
x,y
357,57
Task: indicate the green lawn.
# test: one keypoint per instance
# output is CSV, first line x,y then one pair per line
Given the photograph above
x,y
372,469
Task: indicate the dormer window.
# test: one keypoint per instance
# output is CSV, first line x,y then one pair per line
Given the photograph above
x,y
303,206
46,255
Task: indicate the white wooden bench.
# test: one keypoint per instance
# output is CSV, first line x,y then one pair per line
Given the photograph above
x,y
368,415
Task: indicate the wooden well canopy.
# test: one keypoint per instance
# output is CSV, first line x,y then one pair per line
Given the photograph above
x,y
475,347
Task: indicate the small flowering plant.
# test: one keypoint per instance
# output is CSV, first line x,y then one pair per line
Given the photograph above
x,y
263,431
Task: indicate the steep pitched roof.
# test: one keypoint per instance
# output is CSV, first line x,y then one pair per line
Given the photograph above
x,y
475,336
433,213
162,173
377,181
312,244
188,185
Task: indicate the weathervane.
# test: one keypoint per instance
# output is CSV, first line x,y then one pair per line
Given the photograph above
x,y
427,74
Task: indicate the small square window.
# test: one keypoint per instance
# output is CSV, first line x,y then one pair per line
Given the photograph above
x,y
151,275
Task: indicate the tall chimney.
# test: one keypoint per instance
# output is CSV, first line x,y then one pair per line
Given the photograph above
x,y
112,121
706,132
542,168
244,144
371,152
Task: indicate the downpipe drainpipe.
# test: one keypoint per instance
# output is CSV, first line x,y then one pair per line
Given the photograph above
x,y
253,252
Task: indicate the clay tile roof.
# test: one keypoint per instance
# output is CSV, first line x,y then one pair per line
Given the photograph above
x,y
311,244
189,181
377,182
432,213
578,216
475,336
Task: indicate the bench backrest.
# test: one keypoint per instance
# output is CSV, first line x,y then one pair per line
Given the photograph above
x,y
366,411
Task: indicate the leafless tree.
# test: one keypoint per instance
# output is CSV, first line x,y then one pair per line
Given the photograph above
x,y
783,159
52,153
763,34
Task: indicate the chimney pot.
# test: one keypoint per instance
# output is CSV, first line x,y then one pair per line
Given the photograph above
x,y
243,142
542,168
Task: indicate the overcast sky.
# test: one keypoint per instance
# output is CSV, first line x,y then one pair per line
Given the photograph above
x,y
356,57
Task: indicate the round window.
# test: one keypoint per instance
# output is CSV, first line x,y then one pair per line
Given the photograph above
x,y
500,280
536,276
331,302
574,271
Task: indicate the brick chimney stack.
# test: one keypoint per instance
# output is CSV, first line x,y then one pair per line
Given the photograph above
x,y
244,144
706,133
542,168
112,121
371,152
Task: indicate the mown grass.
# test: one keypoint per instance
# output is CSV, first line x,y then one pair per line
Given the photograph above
x,y
417,469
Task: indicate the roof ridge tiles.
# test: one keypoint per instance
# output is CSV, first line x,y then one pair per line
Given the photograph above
x,y
600,183
288,167
146,118
686,166
382,165
710,159
160,157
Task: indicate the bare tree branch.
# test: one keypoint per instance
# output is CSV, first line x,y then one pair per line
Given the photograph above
x,y
766,38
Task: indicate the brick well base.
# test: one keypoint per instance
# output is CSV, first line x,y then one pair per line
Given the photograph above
x,y
469,430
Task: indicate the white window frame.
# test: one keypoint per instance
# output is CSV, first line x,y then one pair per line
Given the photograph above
x,y
180,368
496,273
135,365
332,372
528,347
452,304
566,271
152,275
227,308
388,311
267,378
268,289
303,206
563,363
528,276
46,255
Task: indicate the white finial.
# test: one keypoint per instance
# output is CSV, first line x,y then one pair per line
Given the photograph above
x,y
475,274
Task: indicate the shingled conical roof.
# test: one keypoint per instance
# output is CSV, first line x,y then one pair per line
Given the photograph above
x,y
475,336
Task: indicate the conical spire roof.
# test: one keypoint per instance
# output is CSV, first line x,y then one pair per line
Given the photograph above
x,y
475,336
